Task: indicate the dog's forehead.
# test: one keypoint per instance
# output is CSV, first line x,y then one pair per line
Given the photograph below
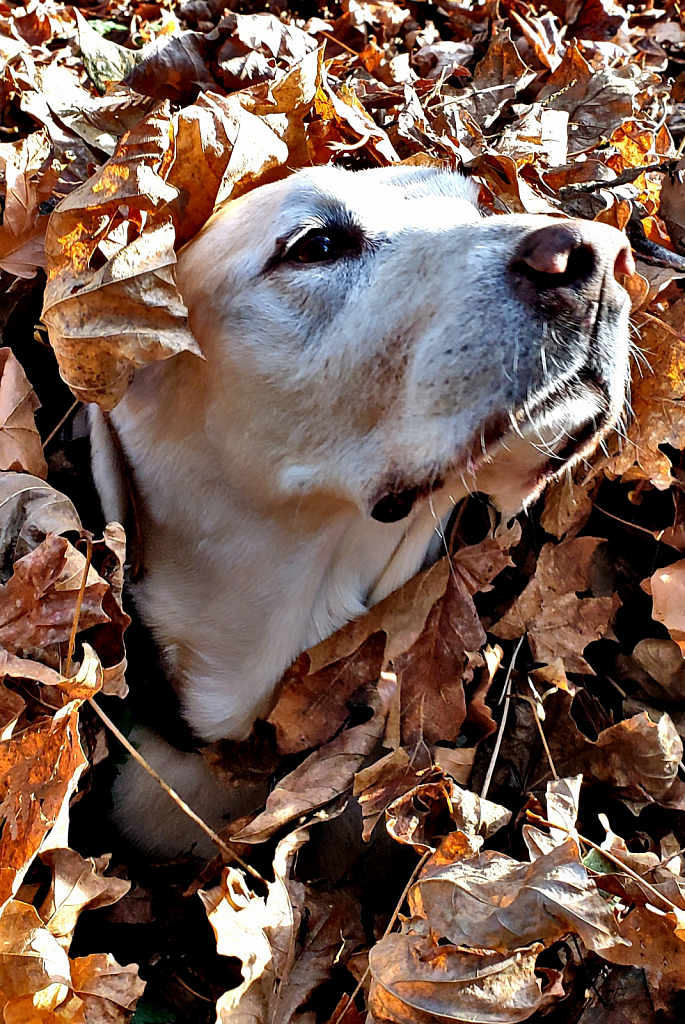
x,y
380,200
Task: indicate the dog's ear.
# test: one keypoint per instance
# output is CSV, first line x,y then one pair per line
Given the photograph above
x,y
114,483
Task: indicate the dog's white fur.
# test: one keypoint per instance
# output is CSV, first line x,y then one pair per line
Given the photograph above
x,y
323,387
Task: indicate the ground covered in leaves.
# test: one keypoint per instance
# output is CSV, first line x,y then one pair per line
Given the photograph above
x,y
487,821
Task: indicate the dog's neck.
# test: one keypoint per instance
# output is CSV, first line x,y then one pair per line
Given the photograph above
x,y
233,594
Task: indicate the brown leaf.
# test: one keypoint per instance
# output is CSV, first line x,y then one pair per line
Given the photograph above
x,y
109,992
77,884
39,771
658,945
656,396
597,102
560,624
311,708
28,181
38,602
494,902
38,982
31,960
666,588
568,504
496,79
638,758
430,672
402,616
11,707
20,445
29,510
417,982
322,777
436,807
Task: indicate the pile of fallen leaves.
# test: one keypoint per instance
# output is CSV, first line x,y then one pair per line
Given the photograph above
x,y
484,821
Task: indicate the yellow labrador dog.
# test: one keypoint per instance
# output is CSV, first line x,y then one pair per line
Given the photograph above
x,y
373,349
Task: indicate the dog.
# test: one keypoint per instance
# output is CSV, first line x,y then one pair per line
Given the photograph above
x,y
375,347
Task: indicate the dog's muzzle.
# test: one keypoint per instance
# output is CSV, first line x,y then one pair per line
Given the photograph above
x,y
570,274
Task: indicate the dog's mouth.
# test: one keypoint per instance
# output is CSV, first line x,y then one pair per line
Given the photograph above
x,y
513,457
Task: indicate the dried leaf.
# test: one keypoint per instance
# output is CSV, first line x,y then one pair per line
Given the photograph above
x,y
322,777
29,510
657,943
430,672
39,771
560,624
656,397
77,883
38,602
312,708
417,982
20,445
491,901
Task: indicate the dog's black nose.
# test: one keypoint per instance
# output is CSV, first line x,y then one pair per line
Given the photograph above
x,y
572,254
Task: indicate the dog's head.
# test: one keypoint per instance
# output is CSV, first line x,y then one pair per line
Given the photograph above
x,y
379,338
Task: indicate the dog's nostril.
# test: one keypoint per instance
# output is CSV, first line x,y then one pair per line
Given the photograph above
x,y
555,256
624,265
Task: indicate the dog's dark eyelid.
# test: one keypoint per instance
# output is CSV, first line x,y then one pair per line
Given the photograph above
x,y
308,247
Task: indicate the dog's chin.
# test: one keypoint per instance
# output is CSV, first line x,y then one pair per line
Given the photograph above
x,y
514,461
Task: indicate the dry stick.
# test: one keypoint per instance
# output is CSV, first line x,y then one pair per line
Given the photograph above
x,y
387,931
79,602
656,534
609,856
172,793
500,734
337,42
61,423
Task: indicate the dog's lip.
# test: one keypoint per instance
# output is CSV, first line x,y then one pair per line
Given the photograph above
x,y
492,437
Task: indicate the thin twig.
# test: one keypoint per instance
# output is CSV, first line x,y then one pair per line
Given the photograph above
x,y
655,534
387,931
609,856
79,601
128,746
72,408
337,42
506,693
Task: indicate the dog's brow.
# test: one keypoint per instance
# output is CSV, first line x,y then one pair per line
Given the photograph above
x,y
328,214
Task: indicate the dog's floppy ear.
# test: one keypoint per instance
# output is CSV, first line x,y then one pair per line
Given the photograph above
x,y
114,483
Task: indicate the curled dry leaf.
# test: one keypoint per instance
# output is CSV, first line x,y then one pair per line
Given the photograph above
x,y
77,883
38,602
560,624
597,102
20,445
38,982
111,302
434,808
261,932
322,777
39,771
667,589
491,901
417,982
637,758
656,397
657,944
29,510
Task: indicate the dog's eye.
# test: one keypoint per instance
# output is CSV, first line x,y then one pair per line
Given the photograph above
x,y
319,246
